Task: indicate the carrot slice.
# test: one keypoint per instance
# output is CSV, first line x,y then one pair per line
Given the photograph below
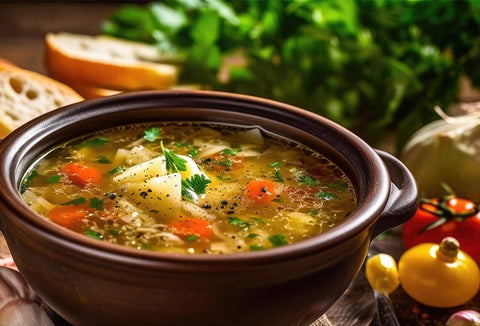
x,y
81,175
190,226
69,216
261,191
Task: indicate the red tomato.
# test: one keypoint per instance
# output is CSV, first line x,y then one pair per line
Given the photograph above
x,y
448,216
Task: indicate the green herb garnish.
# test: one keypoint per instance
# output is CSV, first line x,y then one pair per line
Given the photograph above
x,y
103,160
277,240
76,201
230,151
326,195
238,222
193,151
53,179
113,232
252,235
92,143
27,180
152,134
93,234
226,162
276,164
278,176
191,238
307,180
194,186
116,169
313,212
96,203
255,248
174,162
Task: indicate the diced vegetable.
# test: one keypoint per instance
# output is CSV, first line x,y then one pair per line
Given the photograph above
x,y
69,216
81,174
261,191
146,170
189,226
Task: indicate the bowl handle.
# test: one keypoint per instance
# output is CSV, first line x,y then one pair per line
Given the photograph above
x,y
403,200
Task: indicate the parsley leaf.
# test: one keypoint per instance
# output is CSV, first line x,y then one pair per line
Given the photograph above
x,y
254,248
326,195
230,151
53,179
278,176
191,238
276,164
313,212
238,222
91,143
76,201
277,240
116,169
194,186
227,162
27,180
307,180
96,203
174,162
103,160
93,234
152,134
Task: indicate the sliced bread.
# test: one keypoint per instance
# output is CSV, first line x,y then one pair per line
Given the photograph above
x,y
25,95
106,62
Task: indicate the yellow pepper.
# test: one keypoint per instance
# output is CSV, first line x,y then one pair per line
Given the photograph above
x,y
439,275
382,274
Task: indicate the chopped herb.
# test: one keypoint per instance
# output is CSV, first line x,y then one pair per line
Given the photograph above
x,y
307,180
238,222
254,248
145,246
194,186
96,203
191,238
278,176
152,134
27,180
113,232
182,144
227,162
103,160
193,151
313,212
53,179
338,185
276,164
116,169
277,240
76,201
174,162
230,151
256,219
95,142
326,195
252,235
93,234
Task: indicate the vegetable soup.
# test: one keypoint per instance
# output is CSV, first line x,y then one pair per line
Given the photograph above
x,y
189,188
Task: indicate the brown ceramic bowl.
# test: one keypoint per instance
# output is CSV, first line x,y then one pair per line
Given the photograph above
x,y
90,282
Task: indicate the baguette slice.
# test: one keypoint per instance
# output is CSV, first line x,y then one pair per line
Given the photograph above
x,y
107,62
25,95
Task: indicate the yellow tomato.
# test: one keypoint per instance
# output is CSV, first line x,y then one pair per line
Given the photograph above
x,y
439,275
382,274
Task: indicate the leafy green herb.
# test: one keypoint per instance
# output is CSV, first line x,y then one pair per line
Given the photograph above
x,y
103,160
193,151
278,176
278,240
252,235
152,134
326,195
307,180
53,179
113,232
191,238
313,212
174,163
255,248
238,222
276,164
194,186
182,144
27,180
76,201
93,234
230,151
226,162
338,185
116,170
92,143
96,203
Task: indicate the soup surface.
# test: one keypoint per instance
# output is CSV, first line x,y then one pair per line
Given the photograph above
x,y
190,188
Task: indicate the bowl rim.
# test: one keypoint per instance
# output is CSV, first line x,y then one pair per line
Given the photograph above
x,y
364,216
